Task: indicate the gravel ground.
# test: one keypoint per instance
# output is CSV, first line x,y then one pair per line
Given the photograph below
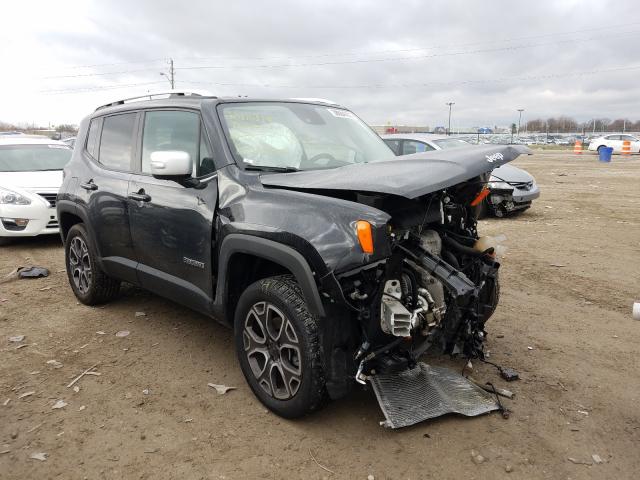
x,y
569,279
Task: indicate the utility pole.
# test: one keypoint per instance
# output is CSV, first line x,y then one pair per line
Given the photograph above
x,y
450,105
519,120
171,76
624,125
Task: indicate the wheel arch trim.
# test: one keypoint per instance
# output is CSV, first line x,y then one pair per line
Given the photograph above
x,y
279,253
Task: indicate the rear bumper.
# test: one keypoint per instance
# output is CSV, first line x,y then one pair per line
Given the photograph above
x,y
42,219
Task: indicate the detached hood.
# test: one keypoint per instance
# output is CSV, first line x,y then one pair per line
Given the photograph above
x,y
408,176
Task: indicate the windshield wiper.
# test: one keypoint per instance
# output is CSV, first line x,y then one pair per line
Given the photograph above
x,y
267,168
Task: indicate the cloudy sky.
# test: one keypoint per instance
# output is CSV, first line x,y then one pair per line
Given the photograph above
x,y
396,62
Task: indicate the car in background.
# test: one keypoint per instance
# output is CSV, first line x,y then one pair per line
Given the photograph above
x,y
615,141
30,176
511,188
71,141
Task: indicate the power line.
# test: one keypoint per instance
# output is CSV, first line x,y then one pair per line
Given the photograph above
x,y
354,53
427,84
365,86
415,49
357,61
96,89
394,59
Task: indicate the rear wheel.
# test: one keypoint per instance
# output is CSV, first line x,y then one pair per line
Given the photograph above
x,y
278,347
89,283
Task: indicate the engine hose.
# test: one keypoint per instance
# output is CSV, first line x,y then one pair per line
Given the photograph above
x,y
450,242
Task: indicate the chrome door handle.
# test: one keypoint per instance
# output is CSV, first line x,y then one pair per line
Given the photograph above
x,y
140,197
89,186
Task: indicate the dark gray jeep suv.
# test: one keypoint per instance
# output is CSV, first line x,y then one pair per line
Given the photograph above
x,y
291,221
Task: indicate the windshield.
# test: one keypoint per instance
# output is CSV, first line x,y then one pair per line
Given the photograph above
x,y
299,136
33,158
447,143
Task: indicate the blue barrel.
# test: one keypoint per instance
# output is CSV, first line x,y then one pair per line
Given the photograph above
x,y
605,154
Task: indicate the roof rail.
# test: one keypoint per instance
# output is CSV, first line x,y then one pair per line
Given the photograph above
x,y
150,96
317,100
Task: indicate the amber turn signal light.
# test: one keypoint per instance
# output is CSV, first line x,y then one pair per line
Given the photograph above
x,y
365,237
481,196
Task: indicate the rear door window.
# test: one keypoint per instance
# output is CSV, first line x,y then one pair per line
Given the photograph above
x,y
117,141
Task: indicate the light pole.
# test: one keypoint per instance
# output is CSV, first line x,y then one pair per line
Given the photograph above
x,y
450,105
171,75
520,110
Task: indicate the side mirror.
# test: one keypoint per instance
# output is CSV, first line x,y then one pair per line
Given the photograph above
x,y
170,163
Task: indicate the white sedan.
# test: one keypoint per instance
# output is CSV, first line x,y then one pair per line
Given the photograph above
x,y
615,142
30,176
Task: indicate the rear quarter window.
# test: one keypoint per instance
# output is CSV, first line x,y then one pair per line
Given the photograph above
x,y
92,137
116,141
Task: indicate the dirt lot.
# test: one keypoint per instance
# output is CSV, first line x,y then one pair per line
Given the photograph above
x,y
568,281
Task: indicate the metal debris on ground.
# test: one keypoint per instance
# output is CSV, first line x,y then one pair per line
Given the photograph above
x,y
578,462
140,314
59,404
54,363
425,392
42,456
221,389
16,338
32,272
597,459
122,333
26,394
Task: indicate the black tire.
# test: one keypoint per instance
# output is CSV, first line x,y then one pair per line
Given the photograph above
x,y
89,283
493,300
499,211
278,347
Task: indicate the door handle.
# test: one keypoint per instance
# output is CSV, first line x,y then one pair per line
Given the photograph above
x,y
140,196
89,186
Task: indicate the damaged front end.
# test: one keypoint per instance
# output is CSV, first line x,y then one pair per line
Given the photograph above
x,y
421,280
435,290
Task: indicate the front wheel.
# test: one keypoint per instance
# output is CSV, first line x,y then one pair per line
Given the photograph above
x,y
89,283
278,347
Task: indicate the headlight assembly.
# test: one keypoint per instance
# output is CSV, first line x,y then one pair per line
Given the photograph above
x,y
9,197
499,186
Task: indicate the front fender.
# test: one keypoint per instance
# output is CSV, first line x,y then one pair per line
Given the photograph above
x,y
273,251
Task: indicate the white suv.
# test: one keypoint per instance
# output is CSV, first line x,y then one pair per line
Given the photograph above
x,y
30,176
615,142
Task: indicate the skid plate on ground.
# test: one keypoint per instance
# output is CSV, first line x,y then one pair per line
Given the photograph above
x,y
424,392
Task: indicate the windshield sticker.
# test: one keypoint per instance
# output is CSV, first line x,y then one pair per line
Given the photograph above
x,y
341,113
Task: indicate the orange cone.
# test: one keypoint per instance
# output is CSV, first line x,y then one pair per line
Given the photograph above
x,y
577,148
626,147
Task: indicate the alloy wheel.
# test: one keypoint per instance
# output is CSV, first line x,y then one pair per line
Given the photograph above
x,y
80,264
273,351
